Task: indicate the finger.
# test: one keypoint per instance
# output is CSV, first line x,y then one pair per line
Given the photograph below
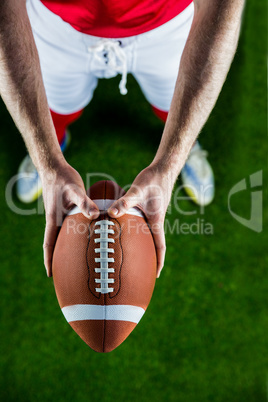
x,y
51,233
121,206
160,245
88,208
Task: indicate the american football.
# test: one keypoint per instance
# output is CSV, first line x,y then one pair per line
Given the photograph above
x,y
104,270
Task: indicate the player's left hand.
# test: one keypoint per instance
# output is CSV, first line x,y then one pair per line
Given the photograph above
x,y
151,192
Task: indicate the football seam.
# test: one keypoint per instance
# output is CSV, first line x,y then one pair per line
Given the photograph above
x,y
119,273
98,296
105,295
104,333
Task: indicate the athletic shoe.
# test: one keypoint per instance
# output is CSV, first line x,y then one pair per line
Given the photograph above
x,y
29,186
197,176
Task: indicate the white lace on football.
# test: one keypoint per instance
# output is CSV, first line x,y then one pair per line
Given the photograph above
x,y
103,230
115,59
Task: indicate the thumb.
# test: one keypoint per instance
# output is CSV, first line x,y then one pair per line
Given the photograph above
x,y
88,208
120,207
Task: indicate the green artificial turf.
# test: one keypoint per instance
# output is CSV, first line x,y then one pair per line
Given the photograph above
x,y
204,336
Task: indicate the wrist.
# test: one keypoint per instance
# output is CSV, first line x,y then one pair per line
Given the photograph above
x,y
166,171
51,165
173,152
168,165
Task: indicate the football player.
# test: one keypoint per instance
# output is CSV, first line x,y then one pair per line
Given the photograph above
x,y
52,53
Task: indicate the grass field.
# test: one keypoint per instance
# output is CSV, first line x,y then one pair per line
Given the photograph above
x,y
204,336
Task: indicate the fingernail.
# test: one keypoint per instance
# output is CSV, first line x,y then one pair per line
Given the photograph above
x,y
92,212
113,211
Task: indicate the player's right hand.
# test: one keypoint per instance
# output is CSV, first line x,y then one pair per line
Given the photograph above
x,y
63,188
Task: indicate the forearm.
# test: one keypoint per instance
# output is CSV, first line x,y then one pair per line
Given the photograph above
x,y
21,85
204,65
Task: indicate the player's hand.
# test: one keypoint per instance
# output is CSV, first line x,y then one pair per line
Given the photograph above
x,y
151,192
62,189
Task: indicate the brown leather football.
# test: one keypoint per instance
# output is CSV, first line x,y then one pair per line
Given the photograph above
x,y
104,270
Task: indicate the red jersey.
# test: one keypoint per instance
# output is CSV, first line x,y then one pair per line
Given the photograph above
x,y
116,18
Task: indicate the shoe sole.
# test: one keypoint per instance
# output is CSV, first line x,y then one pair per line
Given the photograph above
x,y
192,195
33,198
39,192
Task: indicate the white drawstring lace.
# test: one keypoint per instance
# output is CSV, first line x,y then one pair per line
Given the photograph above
x,y
111,52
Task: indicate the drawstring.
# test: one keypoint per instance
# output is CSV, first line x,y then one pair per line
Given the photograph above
x,y
115,59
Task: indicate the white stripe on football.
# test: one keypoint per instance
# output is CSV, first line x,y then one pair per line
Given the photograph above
x,y
82,312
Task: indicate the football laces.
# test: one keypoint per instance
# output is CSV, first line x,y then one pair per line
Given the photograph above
x,y
103,231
